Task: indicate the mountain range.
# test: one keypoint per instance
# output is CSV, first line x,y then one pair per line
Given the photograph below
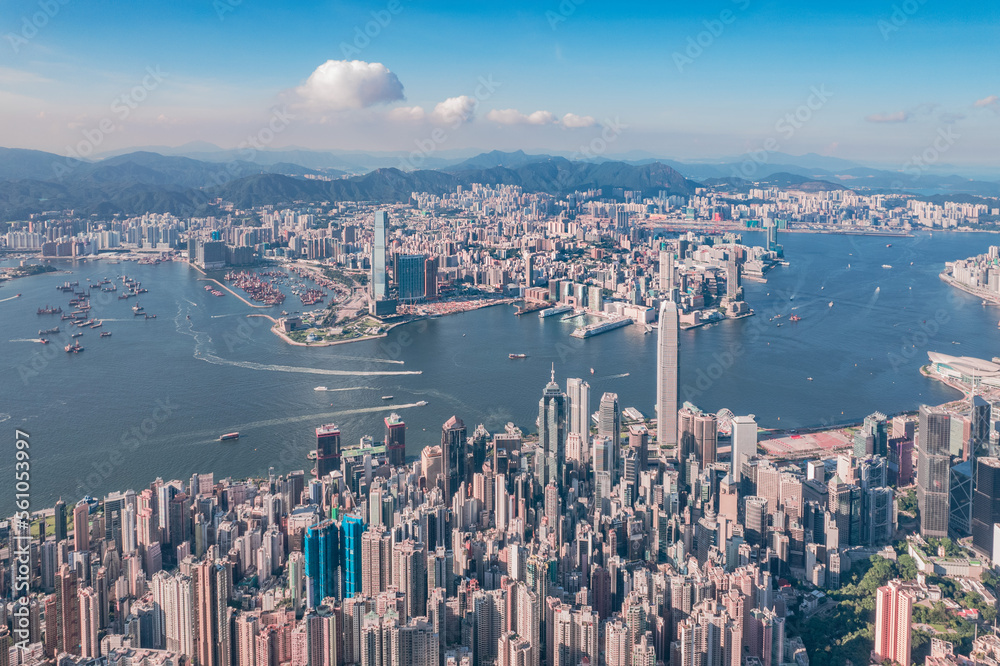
x,y
132,183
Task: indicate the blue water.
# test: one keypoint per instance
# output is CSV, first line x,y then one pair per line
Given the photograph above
x,y
153,399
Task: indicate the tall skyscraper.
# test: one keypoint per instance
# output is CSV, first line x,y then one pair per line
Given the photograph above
x,y
744,444
67,609
322,548
453,455
578,394
212,582
893,615
395,439
60,520
410,276
81,526
550,461
529,268
380,286
430,277
327,449
90,620
667,375
986,504
353,562
933,471
666,271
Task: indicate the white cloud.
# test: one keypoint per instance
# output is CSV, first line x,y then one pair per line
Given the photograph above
x,y
515,117
339,85
987,102
572,120
17,76
455,111
407,114
898,117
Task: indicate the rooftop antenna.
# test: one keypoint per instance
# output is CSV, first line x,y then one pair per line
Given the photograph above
x,y
553,372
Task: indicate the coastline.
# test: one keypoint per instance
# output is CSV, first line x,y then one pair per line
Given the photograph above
x,y
992,297
208,279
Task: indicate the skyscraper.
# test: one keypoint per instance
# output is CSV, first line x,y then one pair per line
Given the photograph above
x,y
744,444
327,449
212,581
410,276
550,461
666,271
430,277
986,504
893,614
60,520
667,376
578,394
353,563
67,608
395,440
453,455
81,526
380,286
933,471
322,548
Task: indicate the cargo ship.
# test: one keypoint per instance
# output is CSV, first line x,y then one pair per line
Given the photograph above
x,y
48,330
49,310
229,436
73,348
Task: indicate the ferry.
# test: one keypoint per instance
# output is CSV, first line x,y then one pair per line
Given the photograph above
x,y
228,436
517,356
319,388
387,397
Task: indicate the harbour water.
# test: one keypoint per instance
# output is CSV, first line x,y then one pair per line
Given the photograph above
x,y
153,399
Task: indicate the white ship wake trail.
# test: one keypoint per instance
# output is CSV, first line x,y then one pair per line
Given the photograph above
x,y
25,340
349,388
248,427
201,353
10,298
371,360
624,374
191,302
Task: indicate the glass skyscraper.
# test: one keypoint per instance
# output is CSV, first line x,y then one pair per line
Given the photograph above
x,y
380,283
667,375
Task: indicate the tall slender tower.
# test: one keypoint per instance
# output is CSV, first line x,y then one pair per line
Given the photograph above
x,y
667,375
453,455
550,463
380,286
893,613
933,471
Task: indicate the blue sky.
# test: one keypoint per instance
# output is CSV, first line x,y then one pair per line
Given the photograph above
x,y
892,74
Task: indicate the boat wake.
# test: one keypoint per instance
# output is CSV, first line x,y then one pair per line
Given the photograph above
x,y
4,417
624,374
11,298
25,340
202,353
349,388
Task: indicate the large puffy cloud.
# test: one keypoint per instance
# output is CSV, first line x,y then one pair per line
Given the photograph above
x,y
515,117
455,111
898,117
339,85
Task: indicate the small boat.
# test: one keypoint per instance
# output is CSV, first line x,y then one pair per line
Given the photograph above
x,y
189,316
888,244
43,341
591,371
387,397
74,348
320,388
228,436
517,356
831,304
809,379
886,266
421,403
795,318
17,295
149,316
76,335
106,334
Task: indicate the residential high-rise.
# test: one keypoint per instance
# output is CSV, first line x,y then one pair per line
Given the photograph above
x,y
395,440
893,615
550,460
90,620
322,548
352,560
410,277
986,505
212,582
933,471
667,375
327,449
666,277
376,550
453,455
578,395
67,609
744,444
409,574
